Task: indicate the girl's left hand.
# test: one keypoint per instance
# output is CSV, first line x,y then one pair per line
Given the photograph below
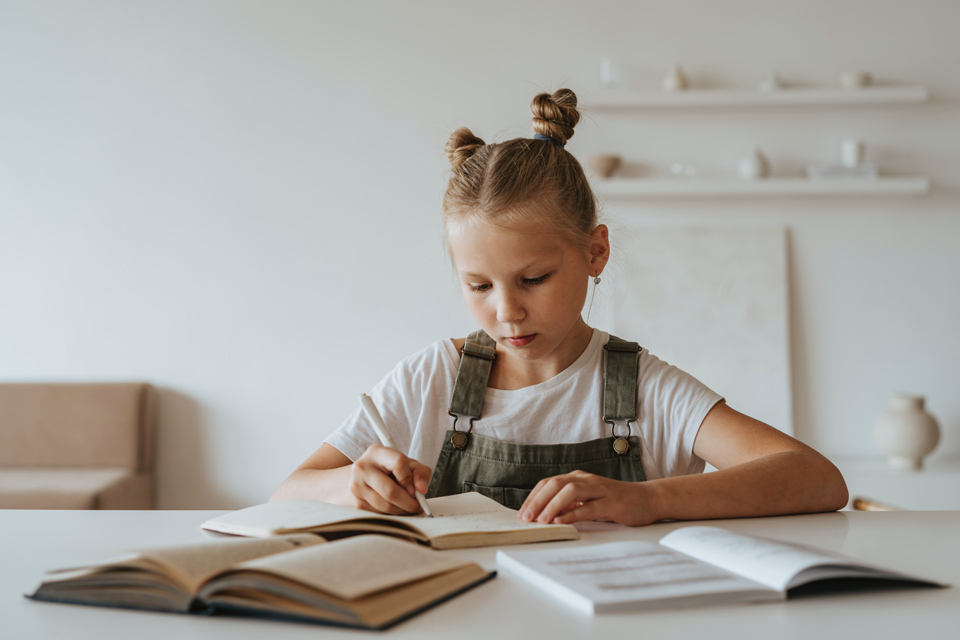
x,y
579,495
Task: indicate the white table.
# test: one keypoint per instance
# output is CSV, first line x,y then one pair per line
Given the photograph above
x,y
922,543
936,487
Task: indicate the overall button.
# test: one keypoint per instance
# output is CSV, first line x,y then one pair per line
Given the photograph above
x,y
459,440
621,446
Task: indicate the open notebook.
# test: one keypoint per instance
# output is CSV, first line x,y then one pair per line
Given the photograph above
x,y
691,566
464,520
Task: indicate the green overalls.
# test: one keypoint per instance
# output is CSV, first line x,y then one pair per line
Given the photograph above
x,y
507,472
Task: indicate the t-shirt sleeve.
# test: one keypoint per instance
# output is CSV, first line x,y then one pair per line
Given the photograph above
x,y
398,400
674,406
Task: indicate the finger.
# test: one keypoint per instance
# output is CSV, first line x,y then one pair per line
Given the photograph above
x,y
421,476
385,486
571,507
361,503
380,503
570,493
400,467
388,508
531,497
593,510
364,469
540,497
391,463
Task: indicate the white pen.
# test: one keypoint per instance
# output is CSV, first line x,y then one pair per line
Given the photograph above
x,y
370,409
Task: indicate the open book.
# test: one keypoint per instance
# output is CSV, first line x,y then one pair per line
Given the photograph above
x,y
691,566
464,520
365,581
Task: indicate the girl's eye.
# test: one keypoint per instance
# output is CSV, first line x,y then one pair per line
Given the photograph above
x,y
479,288
536,281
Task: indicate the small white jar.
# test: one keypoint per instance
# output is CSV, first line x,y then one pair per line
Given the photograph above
x,y
753,166
906,432
675,80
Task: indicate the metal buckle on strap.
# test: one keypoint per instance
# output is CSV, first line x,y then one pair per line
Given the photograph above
x,y
479,351
460,438
621,444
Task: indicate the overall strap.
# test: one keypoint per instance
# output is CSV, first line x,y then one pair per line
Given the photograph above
x,y
476,361
620,379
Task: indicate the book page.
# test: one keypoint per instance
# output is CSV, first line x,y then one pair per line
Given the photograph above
x,y
470,513
357,566
194,562
626,574
462,513
767,561
283,515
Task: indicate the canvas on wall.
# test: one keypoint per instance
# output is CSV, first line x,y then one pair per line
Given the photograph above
x,y
712,301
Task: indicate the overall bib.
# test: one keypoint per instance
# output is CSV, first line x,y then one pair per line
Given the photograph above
x,y
507,472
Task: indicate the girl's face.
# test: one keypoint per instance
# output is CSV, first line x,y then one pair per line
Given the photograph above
x,y
526,289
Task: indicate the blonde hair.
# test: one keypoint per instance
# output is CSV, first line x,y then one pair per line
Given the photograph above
x,y
524,182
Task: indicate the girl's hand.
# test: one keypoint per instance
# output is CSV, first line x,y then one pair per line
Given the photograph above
x,y
384,480
580,495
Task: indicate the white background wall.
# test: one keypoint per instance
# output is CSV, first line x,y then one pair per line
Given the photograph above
x,y
239,201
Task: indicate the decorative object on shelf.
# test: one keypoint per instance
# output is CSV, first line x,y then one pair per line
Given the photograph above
x,y
675,80
753,166
852,152
609,73
906,432
772,82
604,164
684,170
825,171
852,165
855,79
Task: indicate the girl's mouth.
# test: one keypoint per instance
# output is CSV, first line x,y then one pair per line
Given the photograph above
x,y
521,341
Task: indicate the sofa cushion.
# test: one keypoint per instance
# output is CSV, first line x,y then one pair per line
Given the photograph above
x,y
77,425
58,488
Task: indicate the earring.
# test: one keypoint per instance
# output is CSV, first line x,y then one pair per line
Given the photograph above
x,y
596,280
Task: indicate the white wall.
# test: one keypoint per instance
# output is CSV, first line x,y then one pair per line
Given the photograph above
x,y
239,201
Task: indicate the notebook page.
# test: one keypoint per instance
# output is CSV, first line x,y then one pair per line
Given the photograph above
x,y
354,567
621,575
265,519
768,562
469,513
462,513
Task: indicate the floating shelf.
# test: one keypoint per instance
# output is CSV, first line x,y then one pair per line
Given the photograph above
x,y
682,188
747,98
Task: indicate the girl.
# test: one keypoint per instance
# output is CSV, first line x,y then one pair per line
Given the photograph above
x,y
536,409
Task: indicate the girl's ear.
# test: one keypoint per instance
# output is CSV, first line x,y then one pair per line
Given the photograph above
x,y
599,249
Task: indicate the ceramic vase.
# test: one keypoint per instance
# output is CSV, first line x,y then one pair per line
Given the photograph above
x,y
906,432
852,152
753,166
855,79
773,82
675,80
609,73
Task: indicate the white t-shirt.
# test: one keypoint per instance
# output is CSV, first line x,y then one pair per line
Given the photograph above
x,y
413,400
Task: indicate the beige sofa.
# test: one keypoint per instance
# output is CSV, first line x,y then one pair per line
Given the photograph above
x,y
77,446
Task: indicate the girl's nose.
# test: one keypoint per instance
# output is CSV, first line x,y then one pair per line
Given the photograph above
x,y
509,310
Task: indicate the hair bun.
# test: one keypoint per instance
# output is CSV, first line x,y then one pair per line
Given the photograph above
x,y
461,146
555,114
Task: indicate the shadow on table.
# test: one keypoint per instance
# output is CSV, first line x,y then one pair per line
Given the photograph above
x,y
836,586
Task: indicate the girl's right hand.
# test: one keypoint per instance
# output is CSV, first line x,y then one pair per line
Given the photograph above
x,y
384,480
